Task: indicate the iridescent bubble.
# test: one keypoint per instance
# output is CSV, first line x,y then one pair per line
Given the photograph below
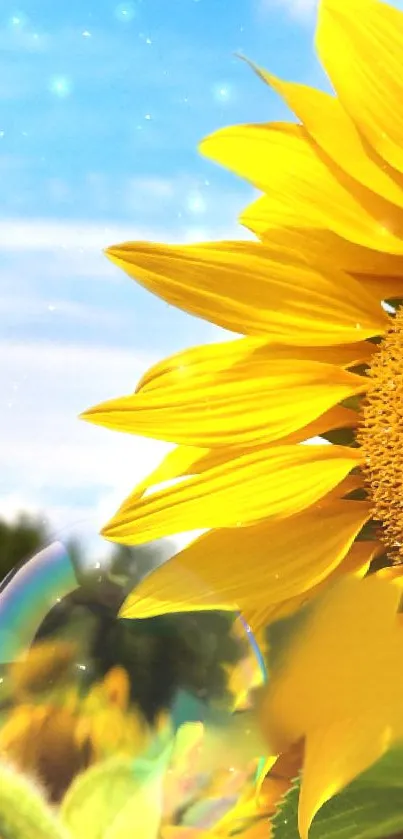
x,y
61,86
167,698
125,12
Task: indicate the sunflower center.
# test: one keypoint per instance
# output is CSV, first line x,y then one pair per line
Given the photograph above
x,y
381,437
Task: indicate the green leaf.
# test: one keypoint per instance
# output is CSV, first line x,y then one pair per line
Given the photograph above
x,y
24,813
369,808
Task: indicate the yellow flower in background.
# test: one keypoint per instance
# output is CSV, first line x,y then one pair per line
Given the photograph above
x,y
47,665
319,353
40,742
55,738
106,720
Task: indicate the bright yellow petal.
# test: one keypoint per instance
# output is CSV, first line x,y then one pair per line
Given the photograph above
x,y
355,563
276,482
340,663
184,461
380,274
251,567
256,290
321,245
386,288
334,756
326,121
231,354
283,161
360,44
258,400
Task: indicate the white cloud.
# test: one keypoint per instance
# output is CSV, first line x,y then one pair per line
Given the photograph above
x,y
38,235
37,310
46,452
57,363
300,9
45,234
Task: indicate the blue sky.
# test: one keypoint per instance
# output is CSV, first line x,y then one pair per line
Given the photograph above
x,y
102,106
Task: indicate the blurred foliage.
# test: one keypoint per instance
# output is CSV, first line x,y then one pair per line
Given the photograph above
x,y
163,655
20,540
190,652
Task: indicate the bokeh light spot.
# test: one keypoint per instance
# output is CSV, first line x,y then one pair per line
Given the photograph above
x,y
222,92
60,86
125,12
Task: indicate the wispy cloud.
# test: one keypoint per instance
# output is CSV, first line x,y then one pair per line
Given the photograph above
x,y
37,310
303,10
48,458
38,234
70,345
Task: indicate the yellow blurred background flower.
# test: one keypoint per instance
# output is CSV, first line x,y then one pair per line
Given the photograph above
x,y
52,737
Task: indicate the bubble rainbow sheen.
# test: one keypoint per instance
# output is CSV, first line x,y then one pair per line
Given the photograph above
x,y
28,593
205,775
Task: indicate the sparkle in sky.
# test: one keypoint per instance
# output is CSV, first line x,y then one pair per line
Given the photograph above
x,y
61,86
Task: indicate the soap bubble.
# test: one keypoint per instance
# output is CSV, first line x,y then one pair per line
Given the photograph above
x,y
167,700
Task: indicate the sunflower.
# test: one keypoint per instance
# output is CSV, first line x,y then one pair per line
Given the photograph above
x,y
316,352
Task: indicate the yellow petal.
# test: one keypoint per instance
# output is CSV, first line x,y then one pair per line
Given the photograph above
x,y
380,274
326,121
252,567
256,290
336,418
305,188
355,563
334,756
320,245
386,288
184,461
231,354
393,573
360,44
180,462
257,400
277,482
339,663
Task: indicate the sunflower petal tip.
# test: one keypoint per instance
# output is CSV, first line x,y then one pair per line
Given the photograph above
x,y
113,252
83,416
89,415
107,530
